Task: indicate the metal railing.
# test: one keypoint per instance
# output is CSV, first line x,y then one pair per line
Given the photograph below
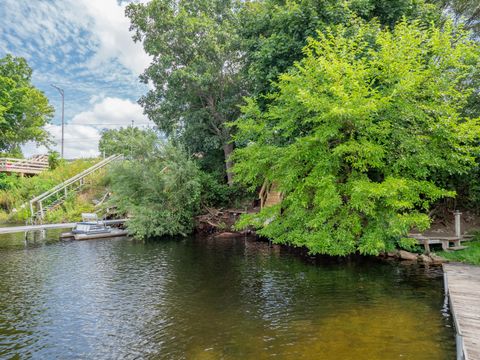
x,y
38,205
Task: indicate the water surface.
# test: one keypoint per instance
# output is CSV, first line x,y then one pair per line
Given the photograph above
x,y
212,299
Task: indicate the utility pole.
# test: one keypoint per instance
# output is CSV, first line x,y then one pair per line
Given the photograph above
x,y
131,141
63,113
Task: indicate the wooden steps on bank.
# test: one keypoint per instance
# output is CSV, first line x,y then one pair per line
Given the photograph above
x,y
462,283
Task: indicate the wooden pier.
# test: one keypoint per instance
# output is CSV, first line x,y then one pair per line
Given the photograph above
x,y
27,228
462,284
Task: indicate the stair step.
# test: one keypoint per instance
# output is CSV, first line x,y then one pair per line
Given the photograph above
x,y
455,248
69,183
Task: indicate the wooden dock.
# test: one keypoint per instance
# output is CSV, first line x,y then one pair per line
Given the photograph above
x,y
20,229
32,166
462,283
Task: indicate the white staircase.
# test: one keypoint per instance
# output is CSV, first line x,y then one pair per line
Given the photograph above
x,y
54,197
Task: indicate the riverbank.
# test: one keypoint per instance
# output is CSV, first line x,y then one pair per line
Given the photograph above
x,y
470,255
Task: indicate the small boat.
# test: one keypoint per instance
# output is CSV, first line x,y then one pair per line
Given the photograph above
x,y
91,228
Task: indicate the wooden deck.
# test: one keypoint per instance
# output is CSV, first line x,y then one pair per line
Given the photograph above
x,y
32,166
462,282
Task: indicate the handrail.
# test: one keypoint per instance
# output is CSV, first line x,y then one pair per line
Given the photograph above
x,y
32,165
64,186
23,160
75,178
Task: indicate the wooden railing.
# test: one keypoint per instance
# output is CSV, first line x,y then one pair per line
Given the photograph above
x,y
31,166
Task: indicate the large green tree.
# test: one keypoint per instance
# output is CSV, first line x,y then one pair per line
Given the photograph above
x,y
357,131
195,72
24,110
274,32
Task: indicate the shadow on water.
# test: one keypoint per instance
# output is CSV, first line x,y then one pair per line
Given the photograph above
x,y
213,299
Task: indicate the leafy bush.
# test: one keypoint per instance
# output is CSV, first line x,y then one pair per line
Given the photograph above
x,y
161,192
7,182
54,160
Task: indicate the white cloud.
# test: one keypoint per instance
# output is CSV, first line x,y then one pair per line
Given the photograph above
x,y
111,29
86,48
83,132
112,112
92,25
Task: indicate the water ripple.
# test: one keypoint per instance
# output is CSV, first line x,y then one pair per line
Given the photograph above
x,y
212,299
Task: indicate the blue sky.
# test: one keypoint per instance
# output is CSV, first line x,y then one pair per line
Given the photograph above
x,y
84,47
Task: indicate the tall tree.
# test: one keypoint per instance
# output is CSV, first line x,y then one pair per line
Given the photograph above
x,y
274,32
357,131
196,69
24,109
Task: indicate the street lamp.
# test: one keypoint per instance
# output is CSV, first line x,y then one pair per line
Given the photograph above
x,y
63,110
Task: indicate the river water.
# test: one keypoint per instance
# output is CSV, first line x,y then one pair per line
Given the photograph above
x,y
212,299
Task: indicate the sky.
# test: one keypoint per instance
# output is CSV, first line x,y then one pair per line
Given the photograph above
x,y
84,47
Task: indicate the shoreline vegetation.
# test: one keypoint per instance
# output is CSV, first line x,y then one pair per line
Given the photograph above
x,y
364,116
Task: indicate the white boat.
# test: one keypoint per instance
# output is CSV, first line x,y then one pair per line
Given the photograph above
x,y
91,228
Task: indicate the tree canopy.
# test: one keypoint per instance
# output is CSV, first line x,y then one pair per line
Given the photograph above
x,y
130,141
356,133
195,70
274,32
24,110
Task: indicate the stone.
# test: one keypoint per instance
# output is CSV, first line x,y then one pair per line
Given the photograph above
x,y
227,234
437,259
405,255
425,259
392,254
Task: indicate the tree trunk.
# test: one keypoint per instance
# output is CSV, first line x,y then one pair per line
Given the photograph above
x,y
227,150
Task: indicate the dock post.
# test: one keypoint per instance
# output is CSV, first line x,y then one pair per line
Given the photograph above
x,y
31,212
41,211
458,229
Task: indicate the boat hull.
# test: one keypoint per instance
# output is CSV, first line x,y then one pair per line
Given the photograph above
x,y
93,236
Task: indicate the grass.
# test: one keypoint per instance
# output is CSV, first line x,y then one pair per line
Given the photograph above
x,y
470,255
23,189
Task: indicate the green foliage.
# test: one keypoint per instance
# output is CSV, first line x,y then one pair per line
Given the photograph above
x,y
130,141
466,12
161,192
22,189
24,109
54,160
196,69
356,133
215,193
470,255
7,182
70,210
274,32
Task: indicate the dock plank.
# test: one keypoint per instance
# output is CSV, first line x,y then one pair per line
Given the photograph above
x,y
463,286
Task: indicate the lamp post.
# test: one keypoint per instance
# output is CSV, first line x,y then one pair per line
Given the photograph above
x,y
63,112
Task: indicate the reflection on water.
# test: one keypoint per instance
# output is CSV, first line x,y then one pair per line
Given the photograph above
x,y
212,299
